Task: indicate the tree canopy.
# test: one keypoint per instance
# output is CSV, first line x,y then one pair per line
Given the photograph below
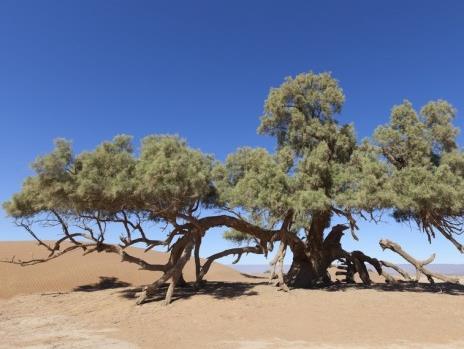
x,y
412,167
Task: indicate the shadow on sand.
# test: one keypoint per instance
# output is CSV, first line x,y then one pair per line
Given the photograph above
x,y
230,290
215,289
251,276
445,288
223,290
105,283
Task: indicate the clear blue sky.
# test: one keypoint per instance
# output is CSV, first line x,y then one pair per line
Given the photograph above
x,y
87,70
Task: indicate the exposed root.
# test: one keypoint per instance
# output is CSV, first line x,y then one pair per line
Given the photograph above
x,y
354,262
347,270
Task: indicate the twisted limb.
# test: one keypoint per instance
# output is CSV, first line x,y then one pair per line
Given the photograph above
x,y
239,251
419,265
277,268
173,273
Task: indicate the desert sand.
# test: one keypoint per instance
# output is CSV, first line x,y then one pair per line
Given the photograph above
x,y
88,302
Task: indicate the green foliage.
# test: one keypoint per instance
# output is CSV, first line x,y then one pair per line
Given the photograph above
x,y
313,152
413,166
426,182
168,175
362,183
104,177
253,180
172,176
50,187
437,118
237,237
300,112
403,141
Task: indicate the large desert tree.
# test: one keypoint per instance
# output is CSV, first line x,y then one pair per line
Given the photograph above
x,y
171,195
412,168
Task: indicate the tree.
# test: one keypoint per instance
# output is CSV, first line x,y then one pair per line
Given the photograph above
x,y
412,167
425,168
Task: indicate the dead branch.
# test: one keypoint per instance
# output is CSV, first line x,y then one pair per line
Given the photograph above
x,y
396,268
28,228
95,246
277,268
419,265
49,258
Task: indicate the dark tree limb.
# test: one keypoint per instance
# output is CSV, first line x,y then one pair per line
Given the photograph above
x,y
239,251
353,225
49,258
446,225
28,228
174,272
334,236
355,263
126,257
448,235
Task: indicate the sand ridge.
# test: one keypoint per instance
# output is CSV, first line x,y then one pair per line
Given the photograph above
x,y
72,270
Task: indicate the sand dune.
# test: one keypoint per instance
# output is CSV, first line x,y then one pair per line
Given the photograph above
x,y
72,270
233,312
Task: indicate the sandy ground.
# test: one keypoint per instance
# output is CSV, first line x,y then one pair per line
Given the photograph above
x,y
236,312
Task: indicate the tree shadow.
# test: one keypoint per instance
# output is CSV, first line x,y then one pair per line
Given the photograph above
x,y
215,289
251,276
105,283
229,290
403,286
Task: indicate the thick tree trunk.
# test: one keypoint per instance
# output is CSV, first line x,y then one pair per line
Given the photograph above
x,y
309,271
312,260
309,266
300,274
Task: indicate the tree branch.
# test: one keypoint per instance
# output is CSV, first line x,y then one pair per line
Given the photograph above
x,y
419,265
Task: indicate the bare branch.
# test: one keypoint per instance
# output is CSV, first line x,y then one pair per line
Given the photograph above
x,y
396,268
419,265
239,251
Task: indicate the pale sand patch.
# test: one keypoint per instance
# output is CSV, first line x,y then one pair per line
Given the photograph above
x,y
278,343
54,331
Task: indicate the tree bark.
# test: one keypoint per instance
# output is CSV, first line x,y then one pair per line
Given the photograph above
x,y
309,266
173,273
196,254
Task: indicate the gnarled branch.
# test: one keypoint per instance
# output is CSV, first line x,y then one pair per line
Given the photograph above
x,y
419,265
239,251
